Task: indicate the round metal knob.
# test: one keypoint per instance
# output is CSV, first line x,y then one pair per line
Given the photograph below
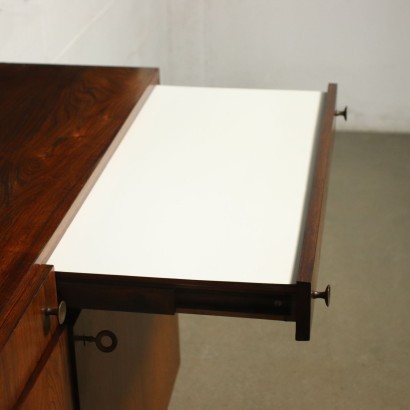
x,y
323,295
342,113
60,312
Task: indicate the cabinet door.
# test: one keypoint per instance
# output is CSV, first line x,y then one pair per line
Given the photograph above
x,y
30,338
51,385
140,373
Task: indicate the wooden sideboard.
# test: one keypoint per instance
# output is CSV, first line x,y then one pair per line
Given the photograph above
x,y
58,124
60,127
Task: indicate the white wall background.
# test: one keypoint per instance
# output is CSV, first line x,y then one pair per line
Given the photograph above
x,y
105,32
362,45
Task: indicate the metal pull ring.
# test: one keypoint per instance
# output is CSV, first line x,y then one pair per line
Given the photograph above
x,y
100,340
102,337
323,295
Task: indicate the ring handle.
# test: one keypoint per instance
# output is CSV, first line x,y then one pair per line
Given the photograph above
x,y
99,341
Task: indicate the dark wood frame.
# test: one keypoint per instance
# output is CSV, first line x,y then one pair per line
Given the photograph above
x,y
268,301
59,124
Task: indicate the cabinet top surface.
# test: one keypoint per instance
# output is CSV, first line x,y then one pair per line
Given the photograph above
x,y
56,124
208,184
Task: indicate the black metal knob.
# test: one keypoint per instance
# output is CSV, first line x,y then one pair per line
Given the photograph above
x,y
342,113
323,295
60,312
100,340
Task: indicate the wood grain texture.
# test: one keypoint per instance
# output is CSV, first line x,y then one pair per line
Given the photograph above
x,y
57,122
25,346
317,198
312,237
50,384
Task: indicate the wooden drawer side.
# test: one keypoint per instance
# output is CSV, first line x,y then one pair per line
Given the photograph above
x,y
26,344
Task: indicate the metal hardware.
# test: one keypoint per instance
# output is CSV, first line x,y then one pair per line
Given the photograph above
x,y
323,295
342,113
60,312
99,340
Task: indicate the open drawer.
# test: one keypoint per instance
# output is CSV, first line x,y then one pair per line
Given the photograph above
x,y
212,203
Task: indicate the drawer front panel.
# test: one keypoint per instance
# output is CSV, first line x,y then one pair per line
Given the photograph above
x,y
50,387
25,346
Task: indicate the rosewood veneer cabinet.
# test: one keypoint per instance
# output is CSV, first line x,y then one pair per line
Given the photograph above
x,y
119,194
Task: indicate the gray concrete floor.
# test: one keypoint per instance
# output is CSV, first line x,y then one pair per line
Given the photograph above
x,y
359,355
